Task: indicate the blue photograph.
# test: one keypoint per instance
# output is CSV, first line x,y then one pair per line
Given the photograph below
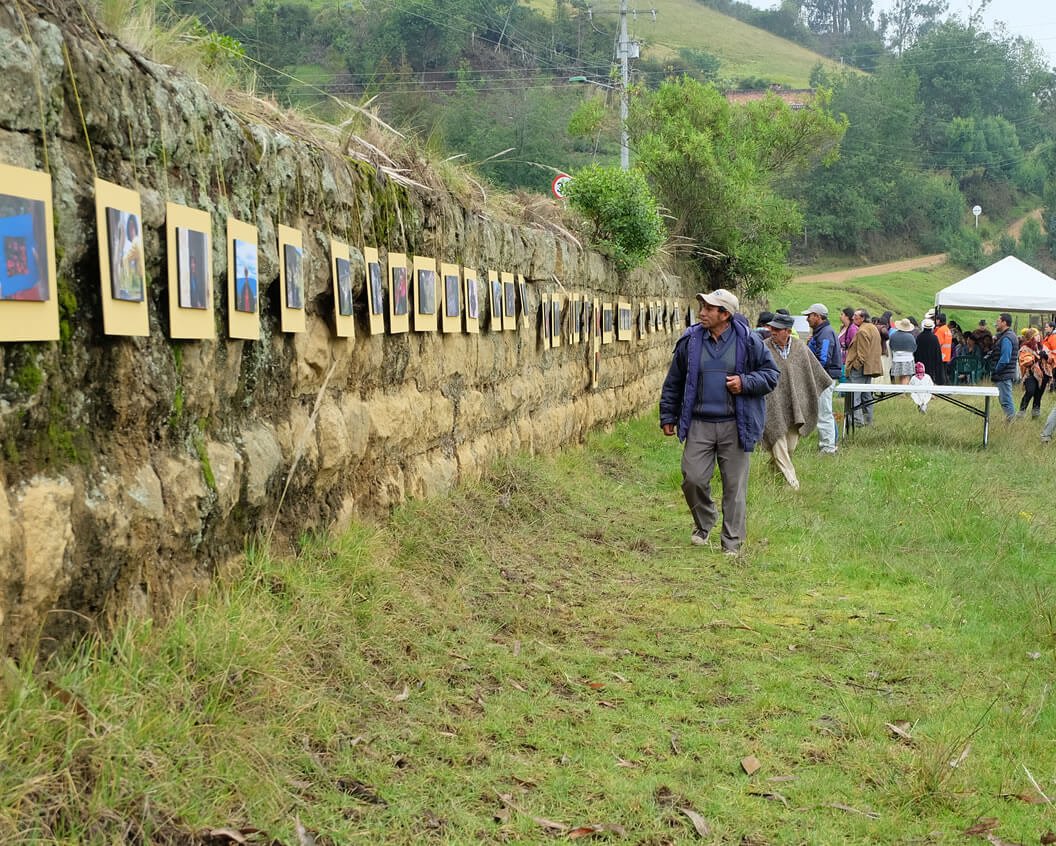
x,y
23,258
245,276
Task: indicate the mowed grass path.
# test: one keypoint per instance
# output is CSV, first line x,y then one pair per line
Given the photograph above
x,y
544,651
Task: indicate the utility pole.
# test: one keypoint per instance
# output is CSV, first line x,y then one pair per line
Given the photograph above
x,y
623,51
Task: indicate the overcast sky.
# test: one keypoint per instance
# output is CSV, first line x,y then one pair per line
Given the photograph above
x,y
1033,19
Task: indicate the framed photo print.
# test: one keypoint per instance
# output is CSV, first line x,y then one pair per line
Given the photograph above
x,y
608,323
575,316
29,309
546,326
471,282
243,281
122,265
451,313
624,325
556,309
509,303
522,293
341,276
292,279
425,287
641,320
399,294
375,291
595,356
495,300
188,233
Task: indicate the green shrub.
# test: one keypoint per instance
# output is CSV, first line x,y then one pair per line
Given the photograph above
x,y
627,223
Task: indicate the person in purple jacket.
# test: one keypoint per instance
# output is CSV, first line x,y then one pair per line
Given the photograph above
x,y
714,398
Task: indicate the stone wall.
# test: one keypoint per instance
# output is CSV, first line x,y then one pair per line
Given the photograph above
x,y
134,468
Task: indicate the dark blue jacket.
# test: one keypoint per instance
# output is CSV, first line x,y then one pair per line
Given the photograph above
x,y
1006,363
826,349
754,365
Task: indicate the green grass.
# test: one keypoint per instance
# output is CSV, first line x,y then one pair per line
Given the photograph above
x,y
744,50
550,636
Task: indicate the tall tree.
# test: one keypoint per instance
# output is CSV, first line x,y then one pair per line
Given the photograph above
x,y
907,20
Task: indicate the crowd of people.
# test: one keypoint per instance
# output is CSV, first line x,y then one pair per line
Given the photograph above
x,y
730,387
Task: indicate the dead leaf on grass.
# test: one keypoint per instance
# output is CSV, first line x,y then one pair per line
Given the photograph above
x,y
432,821
304,836
595,685
606,704
1048,838
516,648
994,840
221,836
900,729
674,745
778,779
403,695
700,825
750,764
359,790
1031,797
623,762
960,759
502,816
772,795
542,822
981,826
839,806
594,830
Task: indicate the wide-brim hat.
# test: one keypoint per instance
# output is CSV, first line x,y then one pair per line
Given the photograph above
x,y
782,321
904,325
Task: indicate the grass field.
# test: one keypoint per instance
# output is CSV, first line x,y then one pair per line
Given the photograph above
x,y
745,51
543,655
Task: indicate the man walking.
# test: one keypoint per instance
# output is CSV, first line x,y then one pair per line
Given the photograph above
x,y
792,409
714,398
863,364
1005,362
826,349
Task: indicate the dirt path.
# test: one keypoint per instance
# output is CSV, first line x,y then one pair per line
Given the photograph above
x,y
874,269
907,264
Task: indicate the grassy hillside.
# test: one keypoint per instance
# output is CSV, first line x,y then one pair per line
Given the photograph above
x,y
745,51
543,655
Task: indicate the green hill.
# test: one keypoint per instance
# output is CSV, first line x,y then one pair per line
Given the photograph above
x,y
744,50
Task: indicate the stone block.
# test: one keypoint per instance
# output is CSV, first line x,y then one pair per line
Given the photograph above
x,y
263,458
44,507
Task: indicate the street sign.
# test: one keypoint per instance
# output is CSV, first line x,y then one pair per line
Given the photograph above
x,y
977,210
559,184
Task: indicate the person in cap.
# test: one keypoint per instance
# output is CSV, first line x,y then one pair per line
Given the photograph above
x,y
792,408
826,348
762,327
714,399
928,352
863,364
903,345
1003,355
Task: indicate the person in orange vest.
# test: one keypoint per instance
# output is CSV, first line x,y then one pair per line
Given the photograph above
x,y
1048,341
945,336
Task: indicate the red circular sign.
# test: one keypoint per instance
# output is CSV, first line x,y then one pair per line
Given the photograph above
x,y
558,185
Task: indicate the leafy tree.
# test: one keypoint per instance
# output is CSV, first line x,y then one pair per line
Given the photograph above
x,y
907,20
627,223
715,167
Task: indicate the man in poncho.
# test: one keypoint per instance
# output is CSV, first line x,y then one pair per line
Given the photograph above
x,y
792,408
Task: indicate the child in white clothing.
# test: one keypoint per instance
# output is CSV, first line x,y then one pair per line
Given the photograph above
x,y
921,398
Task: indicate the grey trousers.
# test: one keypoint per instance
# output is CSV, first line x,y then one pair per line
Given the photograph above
x,y
862,416
706,443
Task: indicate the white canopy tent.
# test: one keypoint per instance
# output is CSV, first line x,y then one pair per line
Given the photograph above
x,y
1006,285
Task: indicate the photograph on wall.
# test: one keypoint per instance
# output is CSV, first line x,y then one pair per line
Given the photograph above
x,y
495,299
126,268
509,299
23,250
452,307
341,284
189,253
293,277
546,326
641,320
343,272
122,261
425,294
471,283
246,290
190,268
399,296
293,259
595,347
426,290
29,309
452,300
607,323
575,317
588,318
624,321
374,290
522,289
556,311
243,281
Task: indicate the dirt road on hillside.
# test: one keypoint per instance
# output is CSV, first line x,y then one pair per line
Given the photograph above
x,y
907,264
